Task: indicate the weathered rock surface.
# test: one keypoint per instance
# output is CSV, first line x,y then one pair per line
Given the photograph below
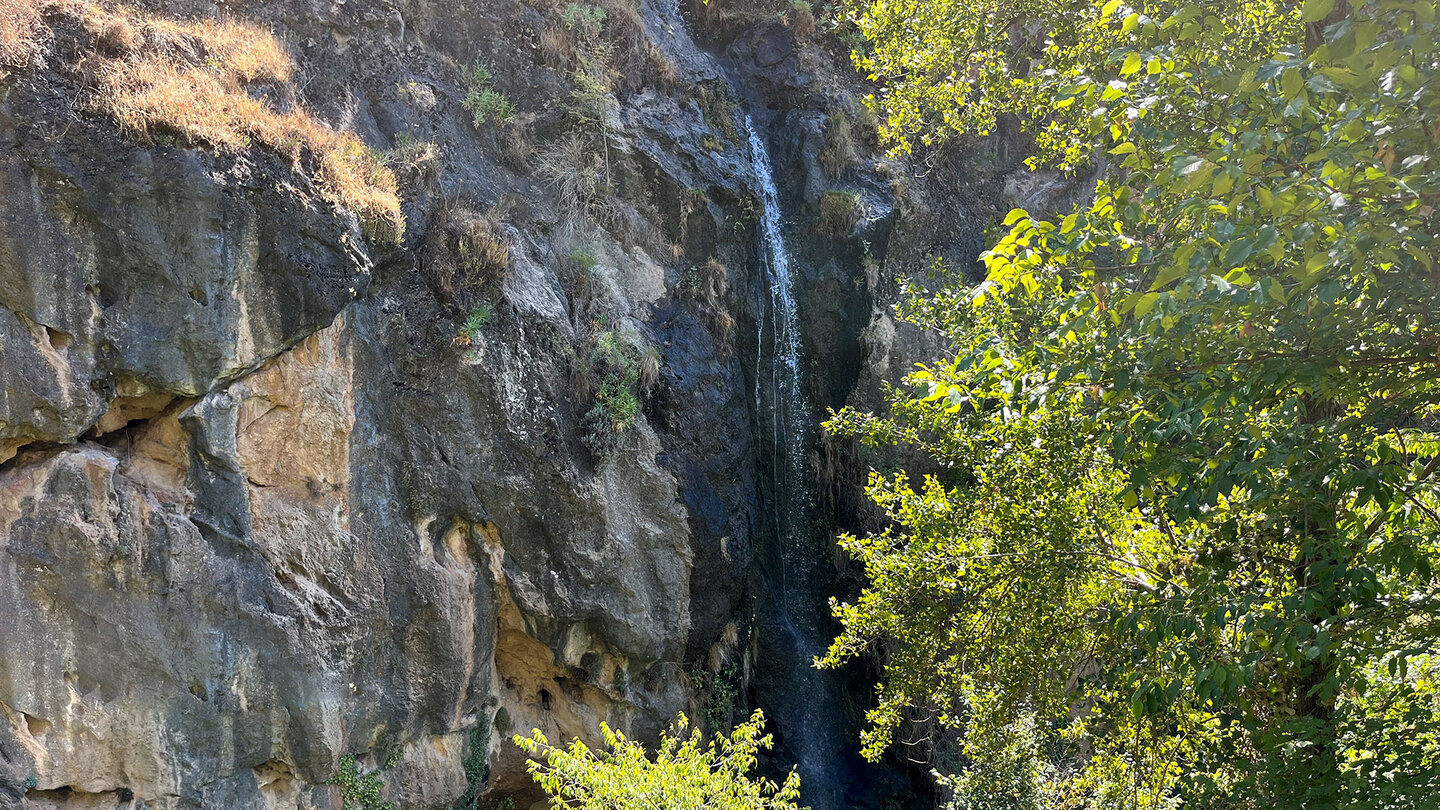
x,y
262,505
258,510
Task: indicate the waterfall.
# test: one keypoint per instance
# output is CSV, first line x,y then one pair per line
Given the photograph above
x,y
792,614
789,424
793,617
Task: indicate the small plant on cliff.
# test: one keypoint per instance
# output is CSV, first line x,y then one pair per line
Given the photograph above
x,y
362,791
475,324
584,20
466,255
722,695
839,211
683,774
800,18
706,286
477,766
719,109
839,152
618,368
484,103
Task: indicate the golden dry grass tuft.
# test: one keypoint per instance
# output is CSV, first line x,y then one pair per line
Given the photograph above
x,y
246,50
204,105
19,30
188,78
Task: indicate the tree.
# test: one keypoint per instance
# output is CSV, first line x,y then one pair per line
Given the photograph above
x,y
1189,508
684,775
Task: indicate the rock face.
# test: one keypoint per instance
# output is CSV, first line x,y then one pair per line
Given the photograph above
x,y
261,505
266,499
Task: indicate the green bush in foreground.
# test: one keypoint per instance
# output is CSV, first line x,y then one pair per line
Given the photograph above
x,y
684,773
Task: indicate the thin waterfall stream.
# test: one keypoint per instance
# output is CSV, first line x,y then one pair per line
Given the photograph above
x,y
792,615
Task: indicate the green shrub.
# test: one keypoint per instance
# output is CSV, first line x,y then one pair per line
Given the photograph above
x,y
586,21
474,324
618,369
684,773
484,103
584,258
478,77
477,767
362,791
490,107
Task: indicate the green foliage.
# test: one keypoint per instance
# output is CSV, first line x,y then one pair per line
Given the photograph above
x,y
491,107
362,791
614,369
584,258
476,763
478,77
1187,508
951,67
591,102
722,694
685,772
1002,771
718,107
484,103
475,323
586,21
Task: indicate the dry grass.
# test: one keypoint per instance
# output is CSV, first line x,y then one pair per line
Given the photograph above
x,y
839,213
708,286
413,159
247,51
465,257
203,105
840,151
648,371
575,169
607,40
801,20
20,30
155,75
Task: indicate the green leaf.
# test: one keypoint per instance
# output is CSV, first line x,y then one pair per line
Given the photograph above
x,y
1133,63
1238,252
1316,10
1291,82
1145,304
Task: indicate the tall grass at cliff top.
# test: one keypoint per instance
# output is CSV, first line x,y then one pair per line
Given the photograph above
x,y
158,76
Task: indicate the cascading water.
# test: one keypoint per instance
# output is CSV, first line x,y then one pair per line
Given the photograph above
x,y
789,421
793,619
792,616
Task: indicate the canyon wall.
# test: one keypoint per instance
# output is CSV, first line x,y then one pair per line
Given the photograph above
x,y
275,489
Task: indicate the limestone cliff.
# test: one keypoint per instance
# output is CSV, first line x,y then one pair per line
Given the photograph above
x,y
277,486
